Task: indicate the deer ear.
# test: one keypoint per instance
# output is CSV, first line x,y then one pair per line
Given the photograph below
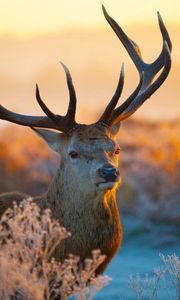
x,y
115,128
52,138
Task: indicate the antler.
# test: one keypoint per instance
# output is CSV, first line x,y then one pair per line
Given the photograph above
x,y
111,115
147,72
62,123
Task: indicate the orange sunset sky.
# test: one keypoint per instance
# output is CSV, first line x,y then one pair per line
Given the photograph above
x,y
42,16
36,35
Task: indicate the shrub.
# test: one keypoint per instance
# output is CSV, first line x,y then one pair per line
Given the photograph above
x,y
166,278
27,269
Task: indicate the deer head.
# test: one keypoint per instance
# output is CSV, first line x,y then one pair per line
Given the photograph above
x,y
91,151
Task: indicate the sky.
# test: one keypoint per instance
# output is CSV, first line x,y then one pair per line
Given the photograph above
x,y
22,17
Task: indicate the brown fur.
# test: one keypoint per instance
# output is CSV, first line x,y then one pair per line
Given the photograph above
x,y
89,213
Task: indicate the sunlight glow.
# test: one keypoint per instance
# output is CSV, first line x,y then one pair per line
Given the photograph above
x,y
45,16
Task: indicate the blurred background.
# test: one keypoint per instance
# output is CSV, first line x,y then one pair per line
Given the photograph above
x,y
34,37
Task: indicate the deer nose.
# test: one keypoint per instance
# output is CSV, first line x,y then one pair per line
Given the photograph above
x,y
109,173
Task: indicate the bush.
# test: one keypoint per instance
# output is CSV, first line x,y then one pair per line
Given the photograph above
x,y
27,269
151,286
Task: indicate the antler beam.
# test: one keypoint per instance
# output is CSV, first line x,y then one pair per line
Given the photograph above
x,y
147,72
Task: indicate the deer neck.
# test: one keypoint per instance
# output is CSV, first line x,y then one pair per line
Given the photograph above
x,y
66,201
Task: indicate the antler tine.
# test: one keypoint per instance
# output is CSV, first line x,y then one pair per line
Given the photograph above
x,y
158,64
72,95
164,31
112,104
131,47
119,110
46,110
146,71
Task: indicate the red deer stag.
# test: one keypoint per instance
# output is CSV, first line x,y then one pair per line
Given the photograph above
x,y
82,194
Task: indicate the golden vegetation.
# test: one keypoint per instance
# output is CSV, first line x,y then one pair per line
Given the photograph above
x,y
19,147
156,143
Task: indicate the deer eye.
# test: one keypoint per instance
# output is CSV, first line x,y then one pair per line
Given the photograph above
x,y
117,151
74,154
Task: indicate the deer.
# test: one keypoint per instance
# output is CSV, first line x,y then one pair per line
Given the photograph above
x,y
82,194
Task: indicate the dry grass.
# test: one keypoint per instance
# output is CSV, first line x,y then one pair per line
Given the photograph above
x,y
166,277
27,271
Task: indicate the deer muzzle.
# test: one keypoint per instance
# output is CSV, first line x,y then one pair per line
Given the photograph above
x,y
108,173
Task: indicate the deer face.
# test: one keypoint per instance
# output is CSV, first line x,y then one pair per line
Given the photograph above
x,y
93,154
89,156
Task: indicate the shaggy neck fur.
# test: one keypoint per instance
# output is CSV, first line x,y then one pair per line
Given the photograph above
x,y
93,220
